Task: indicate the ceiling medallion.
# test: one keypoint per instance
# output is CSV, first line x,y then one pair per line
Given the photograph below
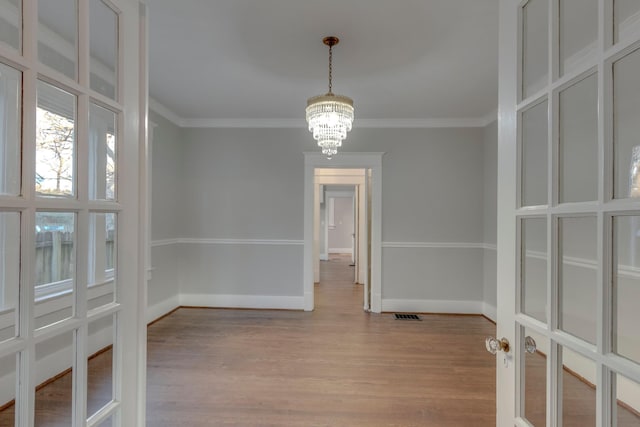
x,y
330,116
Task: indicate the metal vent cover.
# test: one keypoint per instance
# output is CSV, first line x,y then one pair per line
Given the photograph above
x,y
400,316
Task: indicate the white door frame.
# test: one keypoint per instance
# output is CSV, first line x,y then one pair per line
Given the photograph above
x,y
371,161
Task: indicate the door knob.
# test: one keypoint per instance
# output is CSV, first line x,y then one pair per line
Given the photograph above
x,y
530,345
495,345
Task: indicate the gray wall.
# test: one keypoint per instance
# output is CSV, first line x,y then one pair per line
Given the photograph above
x,y
243,189
340,235
166,222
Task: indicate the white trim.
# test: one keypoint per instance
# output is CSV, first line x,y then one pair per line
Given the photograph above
x,y
165,112
490,311
371,161
164,242
194,241
248,123
436,245
627,271
359,123
490,118
433,306
269,242
160,309
340,250
242,301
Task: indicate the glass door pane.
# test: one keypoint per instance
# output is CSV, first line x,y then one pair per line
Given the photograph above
x,y
55,377
8,386
100,364
534,47
626,402
535,377
55,141
11,129
11,23
626,19
578,33
54,267
626,287
577,276
578,144
578,397
533,266
534,150
103,24
9,274
58,35
102,149
626,126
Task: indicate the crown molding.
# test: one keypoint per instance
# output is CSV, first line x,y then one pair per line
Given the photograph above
x,y
490,118
471,122
165,112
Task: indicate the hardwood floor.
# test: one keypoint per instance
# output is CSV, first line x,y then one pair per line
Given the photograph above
x,y
336,366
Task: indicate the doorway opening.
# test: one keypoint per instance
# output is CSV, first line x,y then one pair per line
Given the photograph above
x,y
327,180
342,232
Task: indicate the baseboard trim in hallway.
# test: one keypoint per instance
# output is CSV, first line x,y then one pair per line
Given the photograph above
x,y
432,306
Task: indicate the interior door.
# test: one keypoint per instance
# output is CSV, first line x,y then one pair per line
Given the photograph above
x,y
569,214
71,120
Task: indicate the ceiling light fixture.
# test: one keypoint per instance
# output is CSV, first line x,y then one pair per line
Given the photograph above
x,y
330,116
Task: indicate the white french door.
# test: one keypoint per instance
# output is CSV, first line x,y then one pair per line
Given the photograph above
x,y
569,213
71,260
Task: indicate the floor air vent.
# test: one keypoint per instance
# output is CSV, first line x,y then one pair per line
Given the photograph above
x,y
407,317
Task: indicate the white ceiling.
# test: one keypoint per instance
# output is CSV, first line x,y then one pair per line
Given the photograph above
x,y
244,60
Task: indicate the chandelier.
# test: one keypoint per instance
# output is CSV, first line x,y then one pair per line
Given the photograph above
x,y
330,116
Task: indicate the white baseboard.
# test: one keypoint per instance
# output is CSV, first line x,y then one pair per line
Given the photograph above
x,y
490,311
340,250
243,301
432,306
324,257
158,310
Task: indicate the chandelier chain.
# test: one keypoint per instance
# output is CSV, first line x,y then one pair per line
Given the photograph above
x,y
330,68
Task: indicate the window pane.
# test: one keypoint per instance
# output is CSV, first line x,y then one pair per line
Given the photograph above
x,y
535,379
8,389
577,277
626,126
10,131
534,47
534,156
578,33
109,422
55,141
626,287
578,389
58,35
55,266
104,48
11,23
534,268
102,145
102,268
54,376
100,365
626,18
9,273
626,399
579,141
